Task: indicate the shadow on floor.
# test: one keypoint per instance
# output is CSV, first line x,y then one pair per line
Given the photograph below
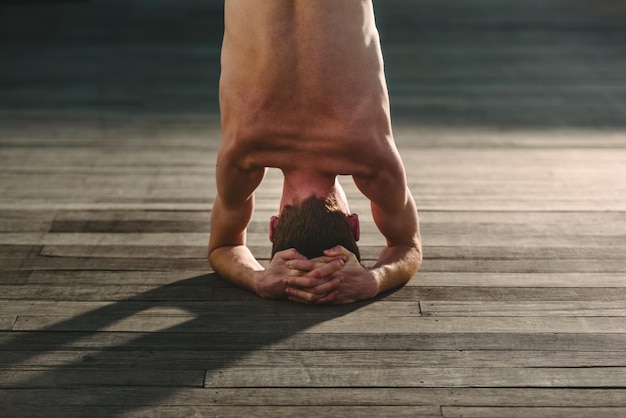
x,y
116,346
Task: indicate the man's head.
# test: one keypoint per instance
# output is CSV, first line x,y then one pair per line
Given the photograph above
x,y
312,226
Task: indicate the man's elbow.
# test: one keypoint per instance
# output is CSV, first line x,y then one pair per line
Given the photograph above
x,y
216,255
418,256
413,260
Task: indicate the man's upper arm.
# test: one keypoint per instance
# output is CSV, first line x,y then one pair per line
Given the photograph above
x,y
393,206
234,203
400,225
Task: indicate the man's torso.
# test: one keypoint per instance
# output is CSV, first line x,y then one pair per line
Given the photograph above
x,y
303,86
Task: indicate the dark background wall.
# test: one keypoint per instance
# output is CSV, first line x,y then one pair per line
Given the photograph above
x,y
505,63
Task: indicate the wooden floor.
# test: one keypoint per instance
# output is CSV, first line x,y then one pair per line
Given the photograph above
x,y
511,119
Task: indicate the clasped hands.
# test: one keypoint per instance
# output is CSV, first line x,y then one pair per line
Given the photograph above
x,y
335,277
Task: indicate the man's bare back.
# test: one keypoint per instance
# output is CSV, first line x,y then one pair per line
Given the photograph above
x,y
299,78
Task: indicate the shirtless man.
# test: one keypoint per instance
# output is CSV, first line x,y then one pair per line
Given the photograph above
x,y
303,90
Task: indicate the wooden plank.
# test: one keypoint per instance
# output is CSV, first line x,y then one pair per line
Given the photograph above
x,y
38,203
416,377
141,239
14,221
13,225
164,308
129,341
25,215
15,257
509,294
515,253
61,308
14,277
123,264
8,251
125,278
535,279
110,293
467,293
231,411
423,396
531,412
322,324
525,266
464,397
391,358
131,226
520,309
132,187
520,235
100,377
347,324
451,137
123,216
490,203
137,226
126,251
529,218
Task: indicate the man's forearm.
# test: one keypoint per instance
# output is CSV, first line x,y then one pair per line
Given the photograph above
x,y
237,265
395,266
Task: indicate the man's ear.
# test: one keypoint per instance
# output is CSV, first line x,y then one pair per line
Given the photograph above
x,y
353,221
273,225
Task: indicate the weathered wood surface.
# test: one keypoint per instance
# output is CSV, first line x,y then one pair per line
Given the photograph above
x,y
509,117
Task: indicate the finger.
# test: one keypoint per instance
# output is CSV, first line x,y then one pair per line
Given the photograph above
x,y
310,265
327,259
295,273
301,295
303,282
326,287
304,265
326,269
338,251
289,254
330,298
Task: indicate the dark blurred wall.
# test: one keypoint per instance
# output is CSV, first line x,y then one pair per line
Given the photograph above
x,y
497,63
110,55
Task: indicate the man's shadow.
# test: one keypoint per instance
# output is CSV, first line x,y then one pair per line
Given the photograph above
x,y
102,352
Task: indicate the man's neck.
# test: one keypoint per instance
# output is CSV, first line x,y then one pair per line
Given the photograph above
x,y
299,186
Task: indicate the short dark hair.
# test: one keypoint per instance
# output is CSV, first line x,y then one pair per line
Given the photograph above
x,y
312,226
